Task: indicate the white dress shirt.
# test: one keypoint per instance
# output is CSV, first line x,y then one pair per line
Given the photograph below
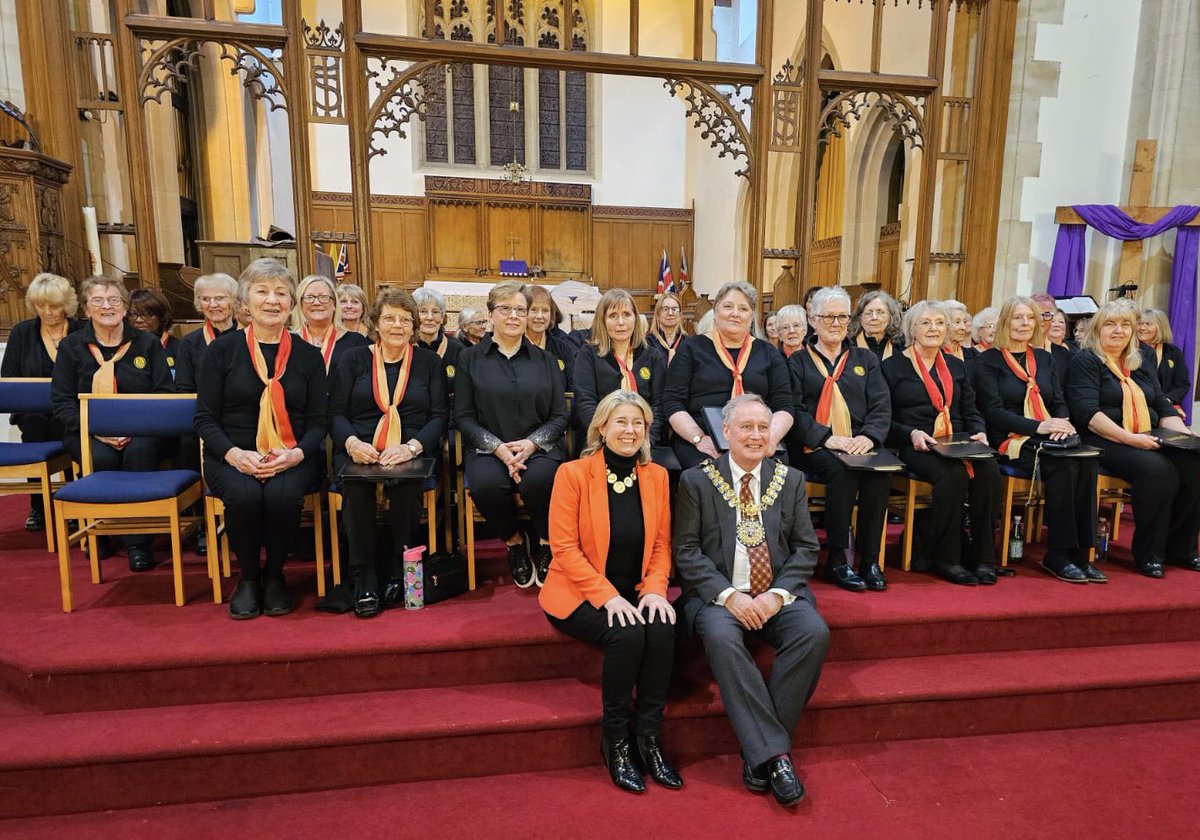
x,y
741,555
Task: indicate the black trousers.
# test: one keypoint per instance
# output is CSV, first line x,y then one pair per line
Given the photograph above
x,y
635,656
1069,498
492,489
843,489
262,513
404,511
38,428
1166,497
141,454
941,532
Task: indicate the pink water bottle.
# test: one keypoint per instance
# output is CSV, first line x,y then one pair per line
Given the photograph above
x,y
414,578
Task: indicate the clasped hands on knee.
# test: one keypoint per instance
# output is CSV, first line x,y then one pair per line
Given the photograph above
x,y
514,455
266,466
753,613
650,605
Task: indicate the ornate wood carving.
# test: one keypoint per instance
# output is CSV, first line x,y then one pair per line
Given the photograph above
x,y
719,116
323,49
604,211
906,114
400,95
786,90
166,63
435,184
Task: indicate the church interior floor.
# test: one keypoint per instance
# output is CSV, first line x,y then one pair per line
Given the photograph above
x,y
941,709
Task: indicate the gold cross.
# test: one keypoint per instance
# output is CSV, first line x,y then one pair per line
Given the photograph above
x,y
512,241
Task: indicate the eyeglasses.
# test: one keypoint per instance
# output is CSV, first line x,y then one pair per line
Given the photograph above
x,y
317,298
481,322
509,311
219,300
835,319
789,327
924,325
98,302
142,316
670,310
395,321
1047,316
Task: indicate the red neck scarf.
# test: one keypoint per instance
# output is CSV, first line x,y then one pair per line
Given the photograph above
x,y
326,344
1035,406
738,367
387,431
832,410
943,426
274,425
627,380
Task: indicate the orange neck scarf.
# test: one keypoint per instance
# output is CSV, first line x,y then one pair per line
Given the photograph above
x,y
627,380
1035,406
861,341
1135,414
387,430
274,425
210,333
832,410
737,368
104,380
943,426
326,344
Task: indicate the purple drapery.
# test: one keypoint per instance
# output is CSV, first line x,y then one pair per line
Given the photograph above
x,y
1070,263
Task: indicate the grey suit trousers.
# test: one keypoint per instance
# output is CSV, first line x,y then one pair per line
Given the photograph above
x,y
764,713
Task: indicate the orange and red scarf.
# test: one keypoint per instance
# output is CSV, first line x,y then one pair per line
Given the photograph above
x,y
1135,414
274,425
326,345
738,367
943,426
387,430
1035,406
627,380
832,410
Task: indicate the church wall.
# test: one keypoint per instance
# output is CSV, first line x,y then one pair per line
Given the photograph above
x,y
12,86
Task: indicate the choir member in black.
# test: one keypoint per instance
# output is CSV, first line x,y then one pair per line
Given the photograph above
x,y
215,297
472,326
710,369
1154,332
1115,394
31,352
932,397
355,309
875,324
150,311
1054,337
509,409
431,331
792,324
618,357
842,405
107,356
542,331
770,330
387,405
983,328
1023,403
261,414
958,340
666,325
318,320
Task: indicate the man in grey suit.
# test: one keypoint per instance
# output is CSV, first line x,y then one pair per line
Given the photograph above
x,y
744,550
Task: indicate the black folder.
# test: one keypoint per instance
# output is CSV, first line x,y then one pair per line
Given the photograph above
x,y
960,446
716,430
418,469
1175,439
878,460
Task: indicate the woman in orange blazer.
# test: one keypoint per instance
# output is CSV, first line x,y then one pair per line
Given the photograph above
x,y
610,535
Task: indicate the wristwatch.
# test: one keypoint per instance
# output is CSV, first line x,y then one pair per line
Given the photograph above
x,y
696,439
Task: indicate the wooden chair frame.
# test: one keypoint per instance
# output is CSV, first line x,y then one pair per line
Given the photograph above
x,y
429,498
815,491
1012,486
42,472
1115,491
915,495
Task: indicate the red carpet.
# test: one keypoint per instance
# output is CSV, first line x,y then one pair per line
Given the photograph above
x,y
130,701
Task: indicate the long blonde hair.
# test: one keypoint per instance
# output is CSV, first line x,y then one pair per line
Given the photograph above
x,y
605,410
600,338
1004,321
299,322
1119,309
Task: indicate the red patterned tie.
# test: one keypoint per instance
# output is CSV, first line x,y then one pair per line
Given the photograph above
x,y
760,555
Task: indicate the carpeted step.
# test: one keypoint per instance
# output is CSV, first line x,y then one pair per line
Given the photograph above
x,y
129,758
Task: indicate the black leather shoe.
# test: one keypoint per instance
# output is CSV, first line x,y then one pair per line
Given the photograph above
x,y
985,574
1152,568
755,778
366,594
1190,563
542,564
785,787
844,577
141,559
35,521
618,758
1093,574
872,576
276,599
1068,572
650,754
519,566
246,600
392,594
957,574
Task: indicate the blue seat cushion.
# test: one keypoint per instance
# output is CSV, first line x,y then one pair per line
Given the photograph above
x,y
114,487
1014,471
20,454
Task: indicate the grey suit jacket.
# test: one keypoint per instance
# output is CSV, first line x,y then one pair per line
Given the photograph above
x,y
704,536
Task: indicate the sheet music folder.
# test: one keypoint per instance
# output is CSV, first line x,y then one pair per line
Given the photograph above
x,y
960,446
879,460
1176,440
418,469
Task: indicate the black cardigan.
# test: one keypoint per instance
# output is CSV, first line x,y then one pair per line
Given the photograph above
x,y
862,386
228,392
188,357
697,379
424,409
1001,395
142,370
26,356
1173,374
596,378
1092,387
911,408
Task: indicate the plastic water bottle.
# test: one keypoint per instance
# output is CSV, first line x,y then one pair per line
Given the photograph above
x,y
1016,541
414,578
1102,538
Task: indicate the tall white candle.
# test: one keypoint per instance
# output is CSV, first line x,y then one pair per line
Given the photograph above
x,y
92,238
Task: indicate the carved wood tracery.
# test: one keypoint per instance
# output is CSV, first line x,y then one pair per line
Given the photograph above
x,y
166,66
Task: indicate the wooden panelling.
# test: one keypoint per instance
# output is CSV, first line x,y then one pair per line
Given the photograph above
x,y
825,262
511,231
564,241
398,227
627,245
887,259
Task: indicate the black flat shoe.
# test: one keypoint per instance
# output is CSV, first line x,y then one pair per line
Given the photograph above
x,y
541,567
842,575
519,566
1093,574
141,559
785,787
246,601
1150,568
35,521
1069,572
366,594
755,778
957,574
276,600
872,576
985,573
392,595
1190,563
618,759
649,750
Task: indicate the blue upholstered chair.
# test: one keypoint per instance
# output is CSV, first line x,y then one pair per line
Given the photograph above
x,y
126,502
39,461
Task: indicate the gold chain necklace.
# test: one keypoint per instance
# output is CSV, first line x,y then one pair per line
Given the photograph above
x,y
750,531
620,485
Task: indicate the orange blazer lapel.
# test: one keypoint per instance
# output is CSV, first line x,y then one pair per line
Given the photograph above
x,y
598,501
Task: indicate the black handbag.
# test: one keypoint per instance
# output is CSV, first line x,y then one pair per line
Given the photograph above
x,y
445,576
1069,442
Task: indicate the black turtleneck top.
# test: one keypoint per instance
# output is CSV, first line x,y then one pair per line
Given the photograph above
x,y
626,527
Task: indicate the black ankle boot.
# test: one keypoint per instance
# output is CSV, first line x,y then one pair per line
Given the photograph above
x,y
618,758
276,599
246,601
655,763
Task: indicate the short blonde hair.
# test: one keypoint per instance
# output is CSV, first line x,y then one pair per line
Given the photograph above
x,y
600,339
54,290
1161,323
605,410
298,319
1004,321
214,281
916,312
1121,309
265,269
506,289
